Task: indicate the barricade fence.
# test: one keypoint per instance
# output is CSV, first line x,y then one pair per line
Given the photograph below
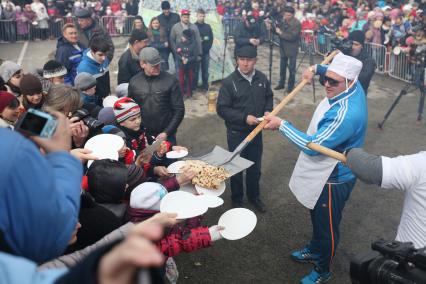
x,y
387,62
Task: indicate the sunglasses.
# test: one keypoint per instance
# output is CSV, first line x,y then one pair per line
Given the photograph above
x,y
331,81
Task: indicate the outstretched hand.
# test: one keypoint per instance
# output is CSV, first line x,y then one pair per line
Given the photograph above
x,y
273,122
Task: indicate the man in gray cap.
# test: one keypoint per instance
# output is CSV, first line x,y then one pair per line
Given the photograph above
x,y
87,28
158,95
320,183
245,96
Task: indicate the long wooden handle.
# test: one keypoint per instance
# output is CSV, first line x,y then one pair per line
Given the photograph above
x,y
327,151
285,100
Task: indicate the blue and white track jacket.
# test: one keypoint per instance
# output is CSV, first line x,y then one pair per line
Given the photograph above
x,y
341,128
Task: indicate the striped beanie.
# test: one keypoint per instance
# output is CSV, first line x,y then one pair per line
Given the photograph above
x,y
125,108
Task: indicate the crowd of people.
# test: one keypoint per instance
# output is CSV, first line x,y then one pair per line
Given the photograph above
x,y
321,26
23,20
102,222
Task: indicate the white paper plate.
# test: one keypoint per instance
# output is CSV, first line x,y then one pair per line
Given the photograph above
x,y
104,142
184,204
104,146
211,192
109,101
210,201
176,154
175,167
190,188
238,223
108,154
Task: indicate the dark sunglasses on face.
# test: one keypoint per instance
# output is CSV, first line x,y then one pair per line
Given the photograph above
x,y
331,81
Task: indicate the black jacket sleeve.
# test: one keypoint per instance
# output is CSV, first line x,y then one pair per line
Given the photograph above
x,y
209,43
269,97
178,108
367,72
124,75
225,109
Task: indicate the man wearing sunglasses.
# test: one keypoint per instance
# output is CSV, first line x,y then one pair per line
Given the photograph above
x,y
320,183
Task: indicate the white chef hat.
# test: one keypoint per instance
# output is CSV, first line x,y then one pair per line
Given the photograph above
x,y
147,196
345,66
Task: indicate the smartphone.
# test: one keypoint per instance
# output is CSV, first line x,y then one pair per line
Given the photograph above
x,y
38,123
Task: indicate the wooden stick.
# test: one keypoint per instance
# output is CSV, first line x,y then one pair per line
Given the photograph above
x,y
327,152
285,100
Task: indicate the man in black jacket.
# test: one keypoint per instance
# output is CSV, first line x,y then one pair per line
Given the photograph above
x,y
159,96
244,97
206,35
247,33
128,64
368,63
167,20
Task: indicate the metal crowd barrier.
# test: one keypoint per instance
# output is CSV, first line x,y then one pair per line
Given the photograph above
x,y
230,25
379,53
401,68
117,25
307,41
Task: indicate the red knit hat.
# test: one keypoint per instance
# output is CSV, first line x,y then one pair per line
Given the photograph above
x,y
5,99
125,108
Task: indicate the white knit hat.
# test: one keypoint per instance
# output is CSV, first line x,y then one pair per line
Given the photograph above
x,y
345,66
147,196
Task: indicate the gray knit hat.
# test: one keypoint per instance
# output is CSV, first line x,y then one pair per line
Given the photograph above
x,y
84,81
106,115
122,90
7,69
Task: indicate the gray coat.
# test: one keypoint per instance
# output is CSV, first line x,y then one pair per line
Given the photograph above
x,y
290,38
77,256
176,34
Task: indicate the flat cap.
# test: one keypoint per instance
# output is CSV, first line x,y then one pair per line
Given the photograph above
x,y
246,51
83,13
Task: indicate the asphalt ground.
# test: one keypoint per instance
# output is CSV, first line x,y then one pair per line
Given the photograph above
x,y
263,256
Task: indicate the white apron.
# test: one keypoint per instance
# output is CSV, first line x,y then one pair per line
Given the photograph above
x,y
312,172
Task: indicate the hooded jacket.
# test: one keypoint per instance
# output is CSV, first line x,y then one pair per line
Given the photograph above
x,y
70,57
99,71
40,198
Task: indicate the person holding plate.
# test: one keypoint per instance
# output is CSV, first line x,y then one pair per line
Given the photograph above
x,y
245,96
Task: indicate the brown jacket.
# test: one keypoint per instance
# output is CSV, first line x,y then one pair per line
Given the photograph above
x,y
290,38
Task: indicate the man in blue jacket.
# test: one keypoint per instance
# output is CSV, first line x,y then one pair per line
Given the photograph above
x,y
320,183
40,194
69,52
96,63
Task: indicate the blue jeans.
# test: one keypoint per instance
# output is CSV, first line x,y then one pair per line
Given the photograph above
x,y
283,71
252,152
325,218
204,64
